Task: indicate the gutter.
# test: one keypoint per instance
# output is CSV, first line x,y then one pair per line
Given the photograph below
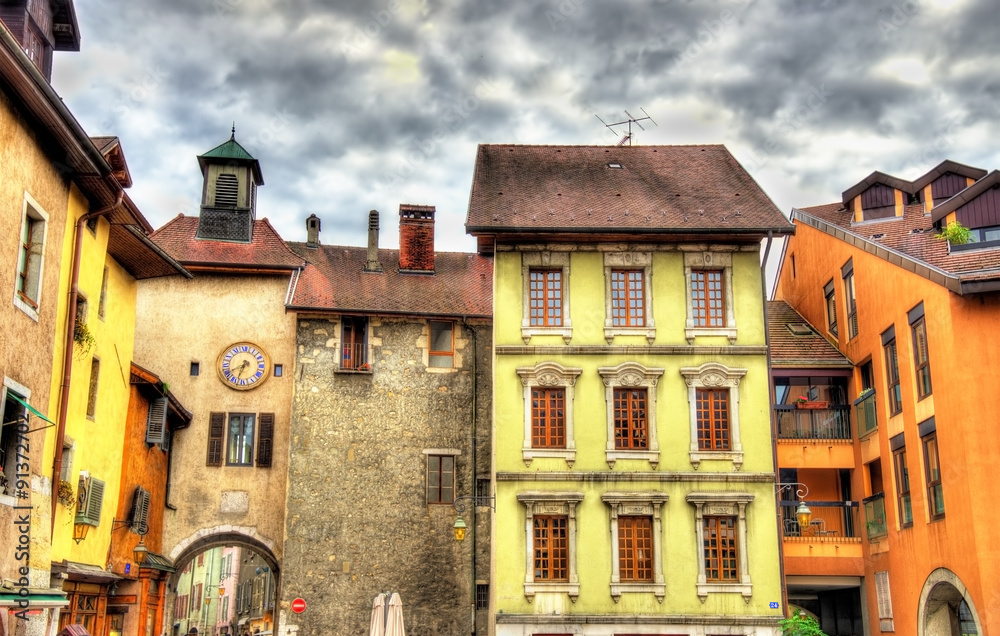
x,y
74,293
759,232
475,464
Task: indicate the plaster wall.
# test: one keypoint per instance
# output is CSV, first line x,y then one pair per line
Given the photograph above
x,y
180,321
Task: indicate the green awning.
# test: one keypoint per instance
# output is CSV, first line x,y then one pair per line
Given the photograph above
x,y
36,598
30,408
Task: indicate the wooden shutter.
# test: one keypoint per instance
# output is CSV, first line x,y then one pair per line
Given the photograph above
x,y
140,510
156,422
265,440
91,497
216,432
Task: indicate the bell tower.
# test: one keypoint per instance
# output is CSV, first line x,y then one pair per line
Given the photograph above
x,y
229,192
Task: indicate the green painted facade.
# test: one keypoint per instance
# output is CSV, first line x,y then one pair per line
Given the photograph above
x,y
520,478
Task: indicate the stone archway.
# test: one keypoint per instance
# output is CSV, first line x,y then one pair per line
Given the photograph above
x,y
206,538
940,601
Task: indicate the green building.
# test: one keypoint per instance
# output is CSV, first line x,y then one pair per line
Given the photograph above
x,y
632,457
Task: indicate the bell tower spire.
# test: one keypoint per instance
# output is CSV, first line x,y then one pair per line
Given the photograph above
x,y
229,194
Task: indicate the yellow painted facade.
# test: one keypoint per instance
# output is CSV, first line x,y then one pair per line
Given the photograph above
x,y
678,606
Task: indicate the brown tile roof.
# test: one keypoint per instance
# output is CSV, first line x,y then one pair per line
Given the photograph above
x,y
912,235
657,190
789,349
333,280
266,251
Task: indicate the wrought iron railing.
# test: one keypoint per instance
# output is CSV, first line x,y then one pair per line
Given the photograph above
x,y
829,519
356,358
867,416
797,423
875,523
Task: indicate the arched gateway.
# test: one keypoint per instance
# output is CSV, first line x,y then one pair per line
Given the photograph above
x,y
945,607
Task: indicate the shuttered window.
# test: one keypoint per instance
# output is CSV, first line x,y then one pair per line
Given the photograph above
x,y
265,440
156,421
216,433
90,498
140,511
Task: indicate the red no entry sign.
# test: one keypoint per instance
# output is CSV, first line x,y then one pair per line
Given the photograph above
x,y
299,605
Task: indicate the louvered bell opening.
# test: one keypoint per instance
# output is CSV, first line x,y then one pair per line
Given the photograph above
x,y
227,189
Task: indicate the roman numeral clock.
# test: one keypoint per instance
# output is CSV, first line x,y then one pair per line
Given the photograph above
x,y
243,366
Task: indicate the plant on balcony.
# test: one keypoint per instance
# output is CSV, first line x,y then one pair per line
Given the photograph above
x,y
876,527
865,393
955,233
800,624
801,399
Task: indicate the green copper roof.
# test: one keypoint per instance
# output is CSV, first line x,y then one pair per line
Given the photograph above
x,y
229,150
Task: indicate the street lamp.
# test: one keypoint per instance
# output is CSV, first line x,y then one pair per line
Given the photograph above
x,y
802,513
459,527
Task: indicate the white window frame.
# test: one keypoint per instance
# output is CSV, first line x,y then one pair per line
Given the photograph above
x,y
549,374
631,374
634,261
713,375
550,503
732,504
702,260
31,208
647,504
545,260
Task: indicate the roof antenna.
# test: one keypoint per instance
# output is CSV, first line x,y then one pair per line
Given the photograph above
x,y
627,139
233,136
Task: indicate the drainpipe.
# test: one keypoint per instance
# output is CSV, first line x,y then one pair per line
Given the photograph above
x,y
774,428
74,292
475,466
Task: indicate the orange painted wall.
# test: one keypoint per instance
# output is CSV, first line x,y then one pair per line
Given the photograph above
x,y
965,404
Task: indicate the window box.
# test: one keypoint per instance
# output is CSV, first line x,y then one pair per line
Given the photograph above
x,y
813,405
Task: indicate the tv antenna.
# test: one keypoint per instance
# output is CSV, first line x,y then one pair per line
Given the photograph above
x,y
627,139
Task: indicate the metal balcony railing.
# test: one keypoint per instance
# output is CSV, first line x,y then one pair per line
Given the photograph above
x,y
829,519
829,423
867,416
875,523
355,358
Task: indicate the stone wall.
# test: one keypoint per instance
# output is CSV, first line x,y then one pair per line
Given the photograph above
x,y
358,521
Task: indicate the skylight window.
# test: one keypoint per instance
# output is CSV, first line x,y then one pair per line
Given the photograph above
x,y
615,164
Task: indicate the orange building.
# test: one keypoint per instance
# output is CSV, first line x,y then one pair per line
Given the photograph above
x,y
913,312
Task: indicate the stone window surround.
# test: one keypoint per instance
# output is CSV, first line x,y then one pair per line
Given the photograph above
x,y
710,260
631,374
713,375
549,374
729,504
629,260
33,209
550,503
647,504
544,260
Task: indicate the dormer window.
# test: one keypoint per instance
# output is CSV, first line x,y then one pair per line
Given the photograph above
x,y
878,202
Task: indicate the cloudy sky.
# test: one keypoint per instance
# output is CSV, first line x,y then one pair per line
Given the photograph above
x,y
352,105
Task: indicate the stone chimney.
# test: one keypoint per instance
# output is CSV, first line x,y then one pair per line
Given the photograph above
x,y
416,238
372,264
312,231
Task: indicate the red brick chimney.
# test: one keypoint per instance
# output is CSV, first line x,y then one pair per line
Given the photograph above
x,y
416,238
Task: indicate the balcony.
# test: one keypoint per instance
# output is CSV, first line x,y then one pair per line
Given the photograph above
x,y
798,423
830,519
875,523
355,358
829,546
866,415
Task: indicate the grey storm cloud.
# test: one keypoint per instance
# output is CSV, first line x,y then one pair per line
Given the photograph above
x,y
358,105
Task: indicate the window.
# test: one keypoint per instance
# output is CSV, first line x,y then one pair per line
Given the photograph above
x,y
195,368
239,442
627,298
139,514
156,421
630,394
831,307
921,361
713,400
95,372
631,427
227,189
884,601
627,281
545,308
847,271
892,372
708,280
548,411
636,543
28,286
635,548
902,488
82,610
442,345
482,596
721,524
932,472
550,560
545,298
551,548
713,419
720,547
104,294
354,351
548,418
13,435
440,479
707,306
279,370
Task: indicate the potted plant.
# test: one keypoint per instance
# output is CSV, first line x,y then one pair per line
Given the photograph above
x,y
65,493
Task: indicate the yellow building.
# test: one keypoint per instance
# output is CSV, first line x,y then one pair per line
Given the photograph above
x,y
633,467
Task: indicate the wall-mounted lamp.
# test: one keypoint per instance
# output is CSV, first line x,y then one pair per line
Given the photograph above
x,y
139,552
802,514
460,528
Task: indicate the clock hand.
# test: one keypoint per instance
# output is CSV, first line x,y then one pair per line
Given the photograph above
x,y
239,372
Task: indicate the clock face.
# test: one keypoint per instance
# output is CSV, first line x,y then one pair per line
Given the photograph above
x,y
244,366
